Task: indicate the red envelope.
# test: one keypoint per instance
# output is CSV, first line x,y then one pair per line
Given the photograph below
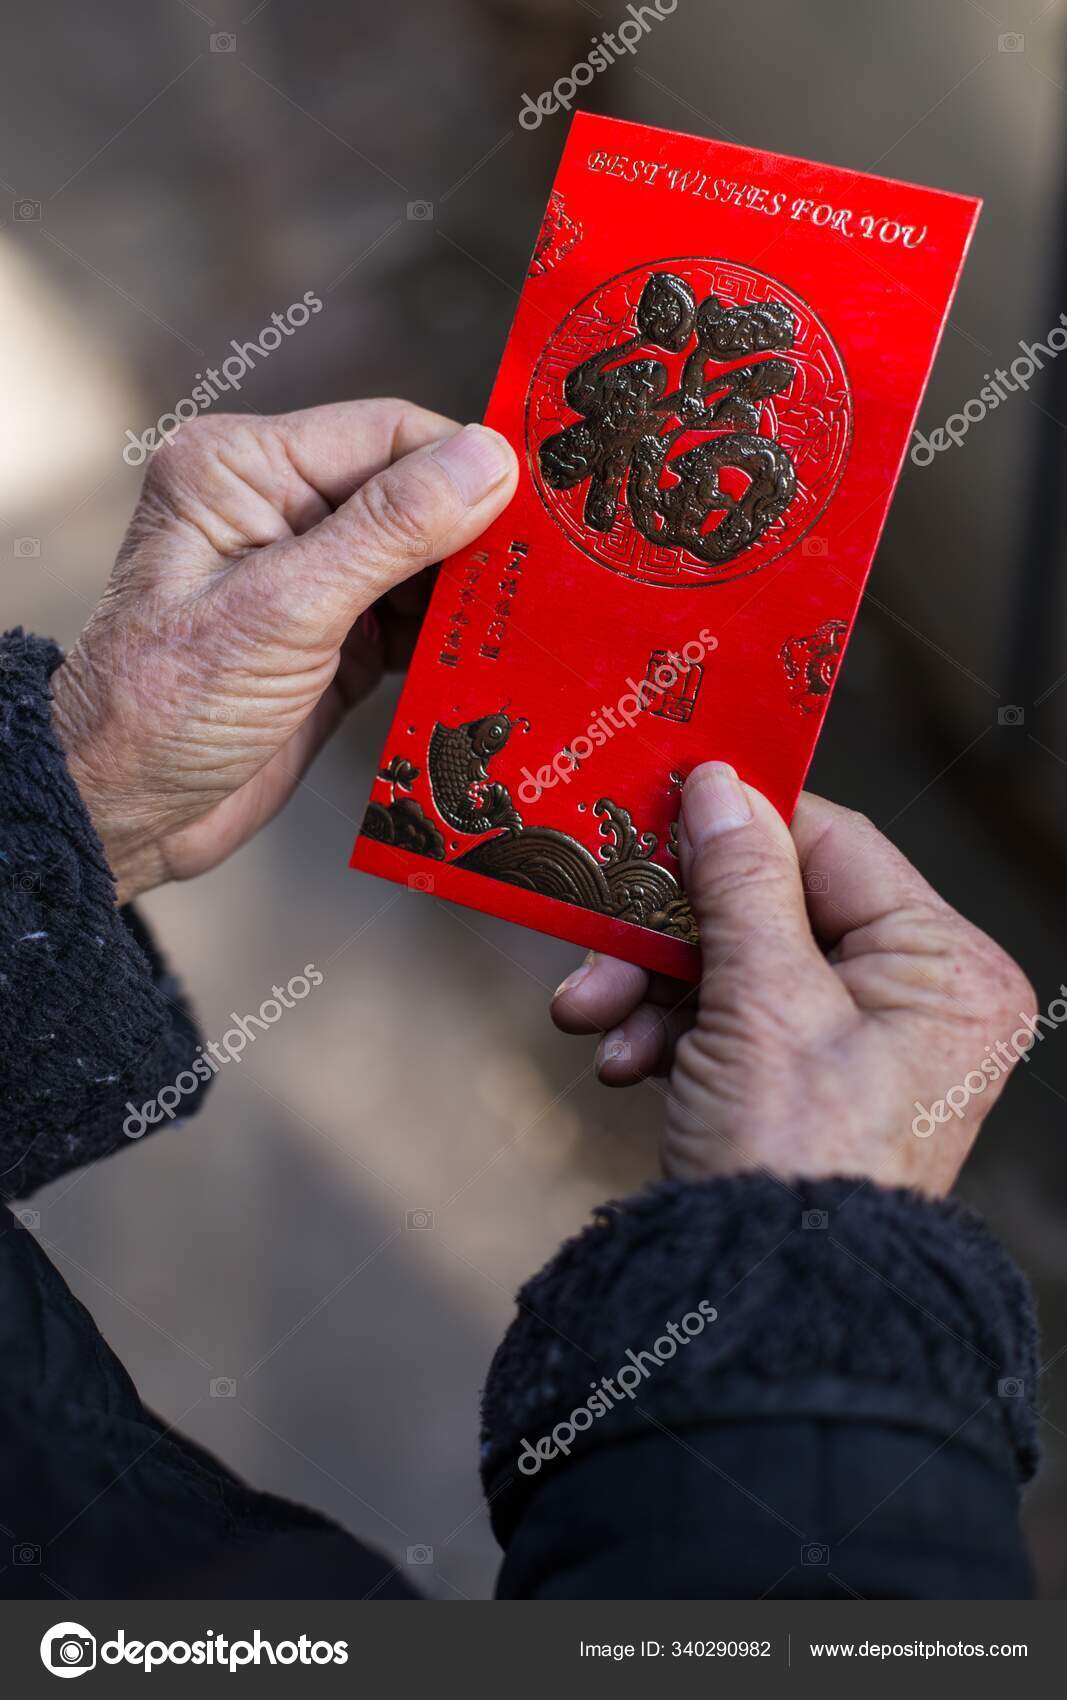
x,y
711,380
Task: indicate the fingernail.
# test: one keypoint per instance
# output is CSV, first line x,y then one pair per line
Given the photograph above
x,y
612,1047
476,460
574,979
714,802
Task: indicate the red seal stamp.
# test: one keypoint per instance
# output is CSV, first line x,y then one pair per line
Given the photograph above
x,y
811,664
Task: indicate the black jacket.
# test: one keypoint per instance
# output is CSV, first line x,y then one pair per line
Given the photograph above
x,y
738,1389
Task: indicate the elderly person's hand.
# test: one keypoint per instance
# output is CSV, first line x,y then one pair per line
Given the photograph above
x,y
261,590
848,1021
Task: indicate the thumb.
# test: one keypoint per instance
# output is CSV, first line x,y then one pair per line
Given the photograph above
x,y
744,884
424,506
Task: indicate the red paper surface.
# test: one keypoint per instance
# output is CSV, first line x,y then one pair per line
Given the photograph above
x,y
707,462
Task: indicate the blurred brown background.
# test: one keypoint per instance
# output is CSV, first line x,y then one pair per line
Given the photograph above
x,y
172,175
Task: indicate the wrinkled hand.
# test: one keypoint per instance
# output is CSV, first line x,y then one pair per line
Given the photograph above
x,y
840,997
262,588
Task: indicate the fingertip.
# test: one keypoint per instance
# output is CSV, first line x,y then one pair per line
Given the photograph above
x,y
478,461
598,995
567,1006
639,1047
724,799
614,1060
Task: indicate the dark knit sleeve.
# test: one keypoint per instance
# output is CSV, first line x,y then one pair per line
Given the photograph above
x,y
696,1337
92,1025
